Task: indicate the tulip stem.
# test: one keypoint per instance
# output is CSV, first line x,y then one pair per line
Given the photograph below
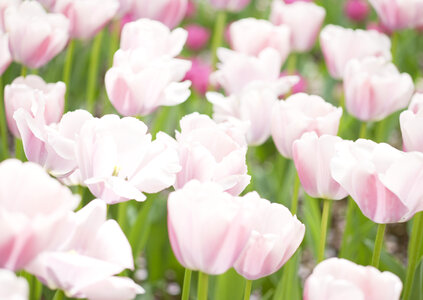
x,y
114,41
247,291
19,152
59,295
24,71
378,245
219,27
67,71
363,130
413,252
3,126
349,216
187,284
203,282
121,218
323,229
93,70
294,202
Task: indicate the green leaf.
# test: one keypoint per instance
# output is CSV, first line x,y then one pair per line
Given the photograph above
x,y
229,286
417,287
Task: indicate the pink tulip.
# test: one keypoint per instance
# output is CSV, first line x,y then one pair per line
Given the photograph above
x,y
87,18
12,287
48,4
312,156
191,9
4,4
300,86
208,228
340,45
35,36
198,37
84,266
169,12
33,219
397,14
212,152
230,5
5,56
274,238
378,27
125,7
117,167
199,75
304,19
337,278
374,88
302,113
356,10
411,122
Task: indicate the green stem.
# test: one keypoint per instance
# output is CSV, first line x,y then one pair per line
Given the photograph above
x,y
323,229
291,64
348,221
114,41
187,284
121,219
141,228
59,295
363,130
378,245
413,255
19,151
247,291
219,27
394,47
294,202
93,70
24,71
3,125
203,282
67,71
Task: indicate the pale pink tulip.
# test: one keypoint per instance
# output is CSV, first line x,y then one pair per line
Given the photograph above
x,y
230,5
356,10
198,37
33,213
169,12
48,4
302,113
337,278
119,161
312,156
399,14
304,19
340,45
12,287
84,266
212,152
5,56
251,36
29,92
4,4
274,238
411,122
87,17
374,88
207,227
125,7
35,37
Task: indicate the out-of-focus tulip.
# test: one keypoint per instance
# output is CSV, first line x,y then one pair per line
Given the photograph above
x,y
378,27
125,6
28,93
231,5
169,12
340,45
293,1
198,37
312,156
304,19
356,10
411,122
12,287
85,264
199,75
337,278
191,9
35,37
196,243
302,113
32,219
275,237
117,167
5,56
300,86
251,36
4,4
398,14
212,152
87,18
374,88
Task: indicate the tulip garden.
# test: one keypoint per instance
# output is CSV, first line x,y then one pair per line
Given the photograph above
x,y
211,149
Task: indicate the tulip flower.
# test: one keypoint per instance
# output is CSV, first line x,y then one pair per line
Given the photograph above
x,y
4,4
32,219
312,156
251,36
117,167
212,152
411,122
338,278
5,56
84,266
198,37
12,287
87,18
29,92
230,5
302,113
35,37
304,19
356,10
374,88
169,12
196,244
274,238
199,75
340,45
